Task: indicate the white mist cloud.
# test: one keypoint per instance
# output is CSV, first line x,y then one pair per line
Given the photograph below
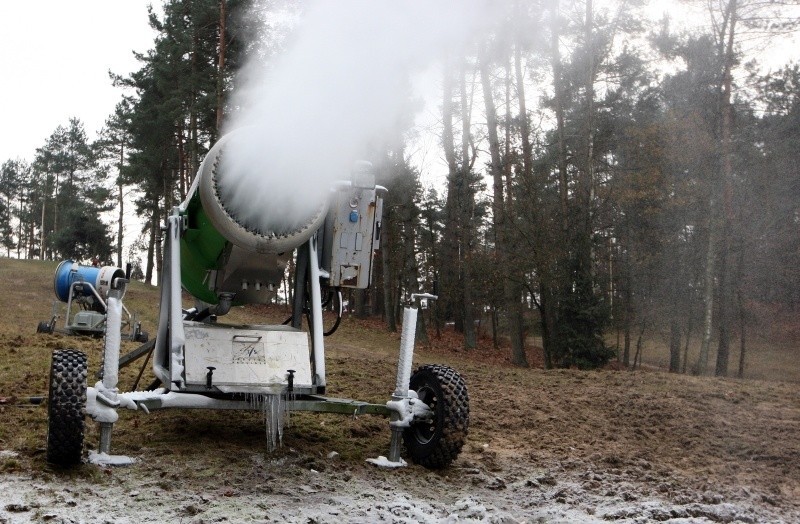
x,y
340,85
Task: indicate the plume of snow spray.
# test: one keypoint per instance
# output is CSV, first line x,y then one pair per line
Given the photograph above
x,y
339,86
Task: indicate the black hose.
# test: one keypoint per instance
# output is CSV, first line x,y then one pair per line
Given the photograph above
x,y
338,294
144,365
300,294
201,315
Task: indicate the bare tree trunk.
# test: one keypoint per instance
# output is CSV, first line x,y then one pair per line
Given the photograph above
x,y
513,287
194,143
290,273
389,300
723,348
121,205
548,319
723,320
151,243
586,191
223,45
31,234
742,335
708,293
361,303
434,309
510,296
467,204
451,299
507,159
495,339
555,272
410,266
55,206
159,241
674,346
183,163
558,95
120,223
742,312
689,328
639,344
627,298
19,230
41,247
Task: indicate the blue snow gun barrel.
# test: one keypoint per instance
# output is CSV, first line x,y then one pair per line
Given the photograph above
x,y
69,272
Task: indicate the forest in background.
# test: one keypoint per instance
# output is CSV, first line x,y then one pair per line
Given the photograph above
x,y
604,172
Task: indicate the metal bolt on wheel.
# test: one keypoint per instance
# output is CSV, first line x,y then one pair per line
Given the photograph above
x,y
437,442
66,407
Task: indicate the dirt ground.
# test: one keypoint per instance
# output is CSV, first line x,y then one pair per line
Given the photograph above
x,y
544,446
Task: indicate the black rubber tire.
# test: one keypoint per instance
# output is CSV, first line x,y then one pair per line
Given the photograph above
x,y
437,443
141,336
43,327
66,407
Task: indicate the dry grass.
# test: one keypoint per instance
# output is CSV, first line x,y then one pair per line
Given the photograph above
x,y
770,353
656,430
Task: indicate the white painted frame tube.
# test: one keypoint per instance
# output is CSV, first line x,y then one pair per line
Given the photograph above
x,y
404,360
317,340
112,341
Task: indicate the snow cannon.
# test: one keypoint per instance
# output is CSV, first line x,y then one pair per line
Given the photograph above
x,y
86,289
229,243
233,246
70,277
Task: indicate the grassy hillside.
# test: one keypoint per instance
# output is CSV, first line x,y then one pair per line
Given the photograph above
x,y
611,434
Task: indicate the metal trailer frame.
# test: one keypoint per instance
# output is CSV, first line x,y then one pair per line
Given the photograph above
x,y
428,410
404,409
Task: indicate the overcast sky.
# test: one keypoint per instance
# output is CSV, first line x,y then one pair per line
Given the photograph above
x,y
55,59
57,54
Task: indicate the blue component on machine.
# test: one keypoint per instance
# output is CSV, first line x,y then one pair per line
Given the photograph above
x,y
69,272
354,216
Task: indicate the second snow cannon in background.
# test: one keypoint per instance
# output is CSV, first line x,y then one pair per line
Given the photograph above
x,y
229,243
86,289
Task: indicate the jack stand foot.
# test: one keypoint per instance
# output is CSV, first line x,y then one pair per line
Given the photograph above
x,y
105,437
394,445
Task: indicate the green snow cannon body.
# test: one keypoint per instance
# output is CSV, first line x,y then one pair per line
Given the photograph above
x,y
229,252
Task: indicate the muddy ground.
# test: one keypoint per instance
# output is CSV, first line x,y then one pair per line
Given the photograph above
x,y
544,446
549,446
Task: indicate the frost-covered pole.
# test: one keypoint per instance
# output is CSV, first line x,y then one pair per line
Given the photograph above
x,y
404,361
400,398
318,343
111,359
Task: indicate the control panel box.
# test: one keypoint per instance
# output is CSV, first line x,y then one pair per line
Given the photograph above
x,y
352,232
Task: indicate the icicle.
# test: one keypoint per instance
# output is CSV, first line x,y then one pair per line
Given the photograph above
x,y
274,409
290,397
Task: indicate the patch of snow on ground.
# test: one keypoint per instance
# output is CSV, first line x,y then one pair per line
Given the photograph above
x,y
286,490
384,462
104,459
